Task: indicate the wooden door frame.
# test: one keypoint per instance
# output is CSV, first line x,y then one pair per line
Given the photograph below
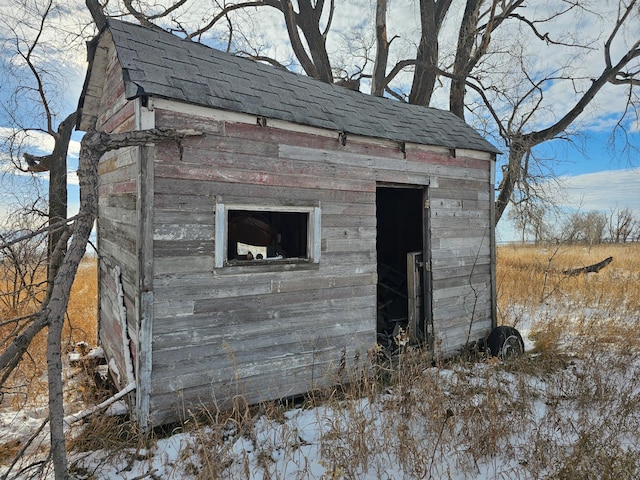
x,y
427,331
427,283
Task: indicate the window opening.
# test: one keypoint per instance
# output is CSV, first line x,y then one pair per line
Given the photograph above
x,y
267,235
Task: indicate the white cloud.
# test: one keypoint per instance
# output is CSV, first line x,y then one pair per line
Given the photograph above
x,y
40,141
59,57
605,190
609,189
574,67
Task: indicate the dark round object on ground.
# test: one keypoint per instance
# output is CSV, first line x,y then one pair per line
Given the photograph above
x,y
505,342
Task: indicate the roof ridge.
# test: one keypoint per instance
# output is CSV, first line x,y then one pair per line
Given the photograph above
x,y
158,63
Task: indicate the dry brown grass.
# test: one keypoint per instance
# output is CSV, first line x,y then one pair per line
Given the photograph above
x,y
29,380
533,274
83,305
570,409
602,305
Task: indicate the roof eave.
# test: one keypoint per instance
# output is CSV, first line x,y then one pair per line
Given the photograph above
x,y
89,101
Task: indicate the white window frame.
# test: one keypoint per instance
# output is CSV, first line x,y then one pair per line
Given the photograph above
x,y
222,224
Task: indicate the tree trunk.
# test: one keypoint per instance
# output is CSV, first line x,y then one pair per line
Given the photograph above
x,y
432,14
97,13
462,65
510,177
56,164
424,78
382,50
308,21
58,186
88,177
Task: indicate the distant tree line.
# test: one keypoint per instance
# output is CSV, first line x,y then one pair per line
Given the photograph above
x,y
539,224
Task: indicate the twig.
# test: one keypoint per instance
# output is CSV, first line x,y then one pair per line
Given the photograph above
x,y
544,297
145,475
29,235
76,417
24,448
448,415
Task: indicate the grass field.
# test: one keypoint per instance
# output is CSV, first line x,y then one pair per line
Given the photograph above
x,y
569,408
81,326
603,306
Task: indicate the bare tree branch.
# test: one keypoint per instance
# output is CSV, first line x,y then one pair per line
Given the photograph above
x,y
225,12
520,144
146,19
28,58
24,448
29,235
261,58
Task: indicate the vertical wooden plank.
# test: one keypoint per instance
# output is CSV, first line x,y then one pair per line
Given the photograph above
x,y
143,377
414,294
492,244
220,235
145,116
427,279
145,222
145,282
314,234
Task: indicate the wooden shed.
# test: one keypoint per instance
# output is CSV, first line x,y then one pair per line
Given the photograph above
x,y
269,255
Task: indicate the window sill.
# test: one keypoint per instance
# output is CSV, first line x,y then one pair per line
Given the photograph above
x,y
264,266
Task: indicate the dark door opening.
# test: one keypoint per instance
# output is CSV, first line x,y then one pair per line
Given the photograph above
x,y
401,244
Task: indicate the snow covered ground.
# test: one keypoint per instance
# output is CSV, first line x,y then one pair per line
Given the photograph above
x,y
574,414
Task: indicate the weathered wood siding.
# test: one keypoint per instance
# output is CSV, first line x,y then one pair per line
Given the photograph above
x,y
265,331
262,332
460,218
117,222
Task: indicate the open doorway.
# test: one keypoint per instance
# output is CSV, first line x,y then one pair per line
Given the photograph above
x,y
402,247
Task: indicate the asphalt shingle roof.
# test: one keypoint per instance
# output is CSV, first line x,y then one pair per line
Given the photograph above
x,y
161,64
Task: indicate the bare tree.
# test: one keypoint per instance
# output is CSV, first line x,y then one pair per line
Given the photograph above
x,y
21,263
622,70
52,311
32,108
509,104
635,234
621,225
587,228
530,218
37,83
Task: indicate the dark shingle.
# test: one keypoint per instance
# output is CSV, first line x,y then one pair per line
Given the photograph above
x,y
161,64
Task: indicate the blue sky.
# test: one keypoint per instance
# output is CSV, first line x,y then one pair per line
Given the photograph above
x,y
592,175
